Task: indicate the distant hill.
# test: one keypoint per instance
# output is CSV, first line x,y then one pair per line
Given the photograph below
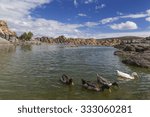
x,y
124,38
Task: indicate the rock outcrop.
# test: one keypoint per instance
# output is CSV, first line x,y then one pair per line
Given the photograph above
x,y
136,54
6,36
6,33
139,59
80,41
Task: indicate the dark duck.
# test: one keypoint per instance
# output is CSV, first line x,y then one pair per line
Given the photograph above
x,y
104,81
94,86
66,80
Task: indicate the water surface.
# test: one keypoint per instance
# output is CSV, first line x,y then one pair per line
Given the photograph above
x,y
33,72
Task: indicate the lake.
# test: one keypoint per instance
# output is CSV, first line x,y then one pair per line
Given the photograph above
x,y
33,72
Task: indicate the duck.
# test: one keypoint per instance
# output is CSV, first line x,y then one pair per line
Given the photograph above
x,y
133,76
66,80
104,81
94,86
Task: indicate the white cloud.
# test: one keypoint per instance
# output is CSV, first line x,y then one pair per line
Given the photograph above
x,y
129,25
148,19
17,9
100,6
89,1
91,24
119,13
148,12
121,16
134,16
17,14
43,27
75,3
108,20
82,15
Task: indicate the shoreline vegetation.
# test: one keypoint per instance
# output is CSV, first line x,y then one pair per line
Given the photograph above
x,y
133,50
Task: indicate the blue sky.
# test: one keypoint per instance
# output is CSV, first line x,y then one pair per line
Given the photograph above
x,y
78,18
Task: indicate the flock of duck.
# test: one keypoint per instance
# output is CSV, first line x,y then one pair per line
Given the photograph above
x,y
101,83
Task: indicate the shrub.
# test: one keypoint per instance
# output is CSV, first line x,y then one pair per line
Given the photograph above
x,y
26,36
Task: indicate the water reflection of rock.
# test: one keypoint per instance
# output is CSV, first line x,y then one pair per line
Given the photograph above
x,y
26,47
5,45
7,48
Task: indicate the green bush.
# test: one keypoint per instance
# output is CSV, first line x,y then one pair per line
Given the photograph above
x,y
26,36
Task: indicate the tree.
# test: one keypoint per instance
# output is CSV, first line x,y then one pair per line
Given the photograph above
x,y
30,35
26,36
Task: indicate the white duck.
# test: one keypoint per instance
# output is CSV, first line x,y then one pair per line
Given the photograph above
x,y
134,75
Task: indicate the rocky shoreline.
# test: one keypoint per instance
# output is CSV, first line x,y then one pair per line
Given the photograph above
x,y
11,37
6,37
80,41
134,50
5,45
135,54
